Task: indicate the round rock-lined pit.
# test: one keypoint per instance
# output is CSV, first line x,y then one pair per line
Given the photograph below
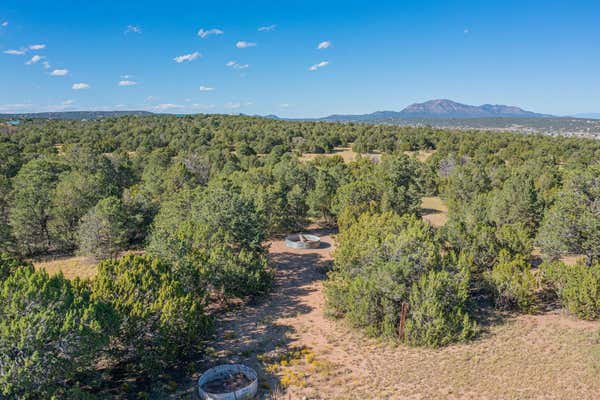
x,y
228,382
303,241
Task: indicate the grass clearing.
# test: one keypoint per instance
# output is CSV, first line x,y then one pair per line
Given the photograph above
x,y
350,155
434,211
421,155
572,259
345,152
71,266
526,357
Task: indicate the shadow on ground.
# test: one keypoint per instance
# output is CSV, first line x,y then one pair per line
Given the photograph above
x,y
251,334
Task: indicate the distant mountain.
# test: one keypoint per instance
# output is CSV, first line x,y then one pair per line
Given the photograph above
x,y
444,109
74,114
452,109
588,115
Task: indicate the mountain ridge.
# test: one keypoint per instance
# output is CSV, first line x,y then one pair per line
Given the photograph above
x,y
443,109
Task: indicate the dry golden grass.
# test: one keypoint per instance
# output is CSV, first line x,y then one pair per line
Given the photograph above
x,y
421,155
345,152
572,259
434,210
71,267
349,155
547,356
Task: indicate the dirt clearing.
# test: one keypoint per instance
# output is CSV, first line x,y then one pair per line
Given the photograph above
x,y
302,354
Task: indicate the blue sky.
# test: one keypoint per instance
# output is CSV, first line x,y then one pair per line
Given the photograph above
x,y
72,55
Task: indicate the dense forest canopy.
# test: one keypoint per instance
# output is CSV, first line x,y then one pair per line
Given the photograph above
x,y
200,196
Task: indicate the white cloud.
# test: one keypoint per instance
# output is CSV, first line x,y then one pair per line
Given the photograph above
x,y
133,29
80,86
5,24
243,44
127,83
466,31
126,76
324,45
236,65
187,57
68,102
267,28
46,64
34,59
206,33
167,106
15,52
319,65
206,89
284,105
59,72
37,46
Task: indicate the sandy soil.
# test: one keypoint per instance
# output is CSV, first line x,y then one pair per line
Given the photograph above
x,y
300,353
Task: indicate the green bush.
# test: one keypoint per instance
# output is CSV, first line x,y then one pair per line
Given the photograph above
x,y
572,224
161,318
50,331
365,303
218,233
513,283
383,260
438,314
103,230
389,186
577,287
8,265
